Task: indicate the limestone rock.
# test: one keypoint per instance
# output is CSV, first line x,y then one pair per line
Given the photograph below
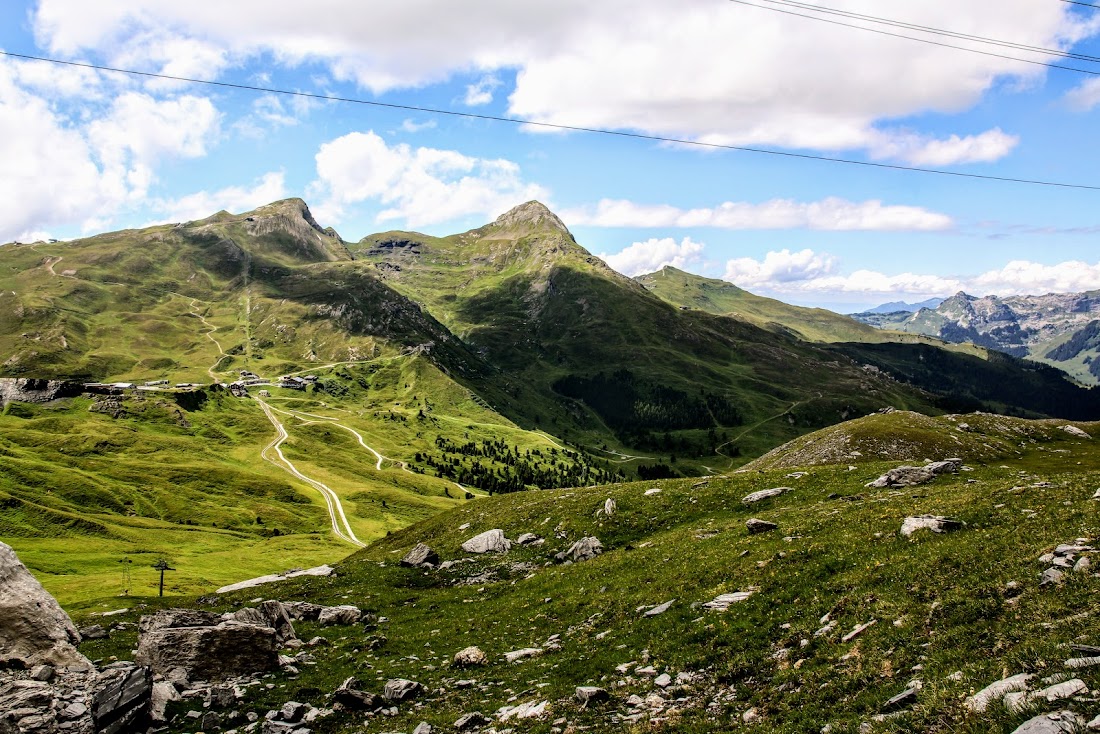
x,y
210,653
163,693
980,701
763,494
1075,431
659,609
324,570
470,656
269,614
756,526
421,555
343,614
529,539
123,700
167,618
910,476
1062,722
527,652
584,549
491,541
401,689
34,629
591,694
935,523
471,721
722,602
351,697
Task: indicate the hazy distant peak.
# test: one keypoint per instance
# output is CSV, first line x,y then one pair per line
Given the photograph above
x,y
533,215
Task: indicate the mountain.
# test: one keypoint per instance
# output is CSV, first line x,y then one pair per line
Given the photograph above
x,y
421,373
690,291
899,306
1058,329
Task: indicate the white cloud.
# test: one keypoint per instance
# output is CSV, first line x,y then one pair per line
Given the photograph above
x,y
775,81
482,92
421,186
918,150
59,168
812,274
654,254
412,126
268,188
778,268
830,214
1085,96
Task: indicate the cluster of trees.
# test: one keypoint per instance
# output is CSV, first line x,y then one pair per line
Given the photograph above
x,y
632,405
498,468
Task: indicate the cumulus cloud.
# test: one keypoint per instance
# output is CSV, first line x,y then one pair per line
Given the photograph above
x,y
811,274
268,188
779,268
776,83
1085,96
421,186
412,126
57,168
654,254
482,92
830,214
988,147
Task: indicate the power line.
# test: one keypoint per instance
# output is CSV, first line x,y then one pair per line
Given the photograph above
x,y
929,41
934,31
1087,5
552,125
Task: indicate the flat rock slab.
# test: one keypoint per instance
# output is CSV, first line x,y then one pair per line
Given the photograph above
x,y
401,689
420,555
911,476
325,570
755,526
763,494
722,602
659,609
980,701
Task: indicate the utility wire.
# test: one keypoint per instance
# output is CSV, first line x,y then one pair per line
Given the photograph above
x,y
1090,72
1087,5
552,125
934,31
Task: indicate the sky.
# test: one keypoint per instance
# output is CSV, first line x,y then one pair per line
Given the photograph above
x,y
84,151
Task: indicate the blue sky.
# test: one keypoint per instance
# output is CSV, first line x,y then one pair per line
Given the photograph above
x,y
84,151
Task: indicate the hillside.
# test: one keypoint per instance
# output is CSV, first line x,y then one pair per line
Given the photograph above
x,y
833,618
1059,329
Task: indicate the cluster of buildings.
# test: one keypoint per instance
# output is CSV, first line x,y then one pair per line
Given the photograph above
x,y
238,388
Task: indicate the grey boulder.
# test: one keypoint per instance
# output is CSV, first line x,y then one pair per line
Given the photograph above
x,y
420,555
491,541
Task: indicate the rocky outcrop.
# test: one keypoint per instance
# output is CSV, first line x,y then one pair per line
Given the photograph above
x,y
34,628
935,523
28,390
584,549
268,614
911,476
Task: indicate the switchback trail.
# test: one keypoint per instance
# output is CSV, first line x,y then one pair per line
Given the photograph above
x,y
338,519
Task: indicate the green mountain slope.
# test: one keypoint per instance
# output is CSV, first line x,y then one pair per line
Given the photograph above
x,y
839,614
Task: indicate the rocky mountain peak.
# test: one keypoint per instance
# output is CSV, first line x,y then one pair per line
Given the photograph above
x,y
531,215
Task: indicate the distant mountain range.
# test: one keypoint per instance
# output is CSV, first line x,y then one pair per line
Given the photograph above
x,y
1060,329
897,306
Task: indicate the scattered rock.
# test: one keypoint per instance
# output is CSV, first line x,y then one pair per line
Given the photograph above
x,y
608,509
591,694
423,728
664,680
659,609
401,689
163,693
1082,662
651,491
1062,722
123,701
420,555
491,541
935,523
472,720
470,657
527,652
530,710
94,632
980,701
906,698
529,539
1066,689
722,602
910,476
584,549
343,614
1075,431
763,494
756,526
858,630
351,697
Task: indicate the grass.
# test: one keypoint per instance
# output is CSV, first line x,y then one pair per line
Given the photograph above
x,y
940,602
